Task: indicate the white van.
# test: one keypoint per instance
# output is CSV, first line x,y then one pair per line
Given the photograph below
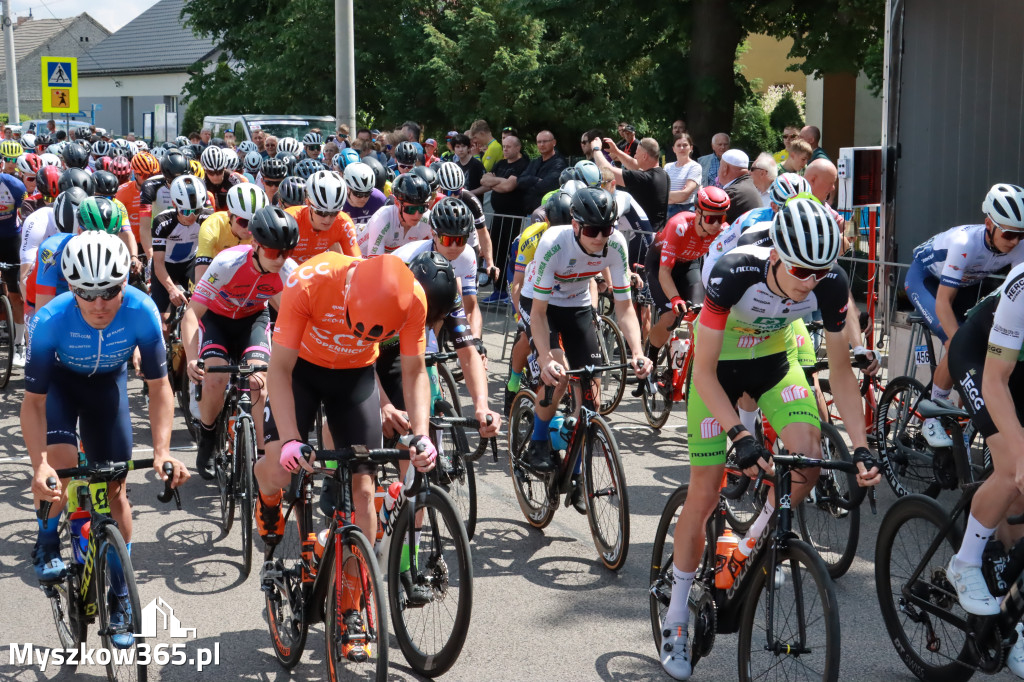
x,y
287,125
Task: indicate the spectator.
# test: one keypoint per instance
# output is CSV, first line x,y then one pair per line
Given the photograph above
x,y
449,154
799,155
489,148
204,137
429,147
330,150
51,127
195,138
61,135
507,131
684,176
812,136
364,134
678,128
763,173
269,146
628,143
709,164
411,130
821,175
507,204
586,139
789,133
258,138
642,177
229,139
471,166
735,179
541,176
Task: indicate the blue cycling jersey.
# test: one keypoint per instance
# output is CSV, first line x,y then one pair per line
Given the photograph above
x,y
49,277
61,338
12,193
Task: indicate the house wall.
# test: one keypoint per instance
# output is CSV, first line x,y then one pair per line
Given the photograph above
x,y
112,93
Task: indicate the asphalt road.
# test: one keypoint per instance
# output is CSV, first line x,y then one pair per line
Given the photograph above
x,y
544,607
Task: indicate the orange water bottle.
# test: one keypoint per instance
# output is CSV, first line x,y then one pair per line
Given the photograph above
x,y
727,544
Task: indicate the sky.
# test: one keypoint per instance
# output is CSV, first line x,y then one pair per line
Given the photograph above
x,y
112,15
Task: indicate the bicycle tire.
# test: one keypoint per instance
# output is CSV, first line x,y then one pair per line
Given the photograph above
x,y
613,352
607,499
283,596
113,542
6,340
657,407
799,564
183,392
224,475
830,529
931,648
374,617
459,481
65,598
444,563
449,388
245,486
901,445
743,500
531,489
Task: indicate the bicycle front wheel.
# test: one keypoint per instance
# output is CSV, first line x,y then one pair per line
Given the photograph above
x,y
430,585
119,609
613,352
606,497
6,340
794,594
65,599
224,473
359,568
184,392
457,477
282,589
531,489
245,486
658,406
901,443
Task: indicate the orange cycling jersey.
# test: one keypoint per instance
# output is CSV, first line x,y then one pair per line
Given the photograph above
x,y
313,242
312,316
128,194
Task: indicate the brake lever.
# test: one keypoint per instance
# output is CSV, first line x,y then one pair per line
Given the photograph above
x,y
169,492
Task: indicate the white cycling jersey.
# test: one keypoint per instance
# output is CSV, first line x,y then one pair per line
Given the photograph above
x,y
384,233
728,239
1008,323
959,257
34,231
562,270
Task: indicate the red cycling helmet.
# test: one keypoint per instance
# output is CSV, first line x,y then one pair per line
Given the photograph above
x,y
712,200
121,167
48,181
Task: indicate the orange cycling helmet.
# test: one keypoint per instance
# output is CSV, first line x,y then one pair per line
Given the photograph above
x,y
379,298
145,165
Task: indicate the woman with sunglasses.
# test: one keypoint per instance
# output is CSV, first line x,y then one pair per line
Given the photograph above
x,y
945,279
323,226
741,338
400,223
231,306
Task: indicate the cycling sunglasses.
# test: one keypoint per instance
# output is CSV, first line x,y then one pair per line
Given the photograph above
x,y
271,183
413,209
242,222
214,172
803,274
713,218
29,178
313,147
106,294
1010,235
593,231
452,240
402,168
186,212
326,214
274,254
360,195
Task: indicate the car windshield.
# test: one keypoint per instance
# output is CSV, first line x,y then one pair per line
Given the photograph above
x,y
296,128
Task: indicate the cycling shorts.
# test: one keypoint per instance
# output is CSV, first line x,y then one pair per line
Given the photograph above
x,y
800,345
780,388
93,407
10,252
921,287
685,275
181,273
389,373
572,329
246,339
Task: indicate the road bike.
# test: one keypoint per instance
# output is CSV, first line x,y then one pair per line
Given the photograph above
x,y
591,461
177,372
670,381
85,593
454,470
7,336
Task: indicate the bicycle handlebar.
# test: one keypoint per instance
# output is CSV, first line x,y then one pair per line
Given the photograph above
x,y
473,423
360,454
431,359
586,372
243,370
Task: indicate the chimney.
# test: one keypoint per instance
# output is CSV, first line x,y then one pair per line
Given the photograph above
x,y
22,20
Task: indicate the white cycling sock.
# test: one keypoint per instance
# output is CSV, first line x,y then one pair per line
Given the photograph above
x,y
678,611
975,539
940,393
19,334
749,420
756,528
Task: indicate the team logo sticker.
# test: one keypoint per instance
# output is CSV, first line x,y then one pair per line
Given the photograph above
x,y
794,392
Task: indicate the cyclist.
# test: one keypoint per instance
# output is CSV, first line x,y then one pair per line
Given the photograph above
x,y
741,347
363,198
175,242
272,172
400,223
12,193
29,165
47,280
76,386
561,304
322,224
944,280
230,304
225,229
40,226
312,143
452,183
335,311
291,192
219,179
155,194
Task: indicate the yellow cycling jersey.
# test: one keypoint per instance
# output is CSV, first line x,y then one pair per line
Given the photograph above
x,y
528,242
214,236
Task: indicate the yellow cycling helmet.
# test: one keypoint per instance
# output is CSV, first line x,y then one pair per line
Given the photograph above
x,y
11,149
197,169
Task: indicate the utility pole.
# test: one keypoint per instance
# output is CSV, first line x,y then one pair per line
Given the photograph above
x,y
345,65
14,117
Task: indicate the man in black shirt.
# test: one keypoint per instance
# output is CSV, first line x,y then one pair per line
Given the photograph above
x,y
541,176
507,203
640,175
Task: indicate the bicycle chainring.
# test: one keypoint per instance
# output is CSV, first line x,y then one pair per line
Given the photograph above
x,y
704,616
944,468
988,656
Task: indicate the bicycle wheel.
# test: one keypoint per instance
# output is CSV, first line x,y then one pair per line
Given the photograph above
x,y
184,391
458,478
449,388
658,405
282,588
357,559
743,500
606,497
107,575
65,599
830,529
613,352
245,485
224,473
919,615
531,489
900,441
431,599
801,606
6,340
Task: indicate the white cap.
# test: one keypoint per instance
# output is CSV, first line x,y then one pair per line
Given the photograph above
x,y
735,157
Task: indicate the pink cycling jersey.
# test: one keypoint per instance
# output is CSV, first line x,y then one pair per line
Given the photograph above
x,y
233,287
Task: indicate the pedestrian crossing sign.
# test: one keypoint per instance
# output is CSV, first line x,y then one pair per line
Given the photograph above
x,y
60,85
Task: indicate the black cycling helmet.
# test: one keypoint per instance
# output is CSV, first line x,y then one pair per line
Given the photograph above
x,y
289,160
594,206
558,209
429,176
197,150
105,182
274,228
451,216
406,153
76,177
188,153
412,189
292,191
75,156
567,174
274,168
65,208
173,164
169,145
437,277
379,172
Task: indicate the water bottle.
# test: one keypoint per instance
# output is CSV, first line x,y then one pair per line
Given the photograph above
x,y
318,548
308,564
727,544
385,517
677,350
559,439
79,539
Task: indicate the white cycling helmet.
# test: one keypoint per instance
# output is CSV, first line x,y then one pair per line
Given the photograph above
x,y
95,261
213,159
805,234
100,148
289,145
787,186
49,159
360,177
181,141
1004,204
188,192
230,161
312,138
244,199
326,191
141,145
573,186
451,176
28,141
252,162
246,146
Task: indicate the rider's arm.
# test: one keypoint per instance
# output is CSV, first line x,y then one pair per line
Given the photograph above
x,y
146,232
668,285
944,309
279,386
476,318
190,329
486,249
128,238
540,330
161,419
626,316
160,270
416,389
517,287
33,427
